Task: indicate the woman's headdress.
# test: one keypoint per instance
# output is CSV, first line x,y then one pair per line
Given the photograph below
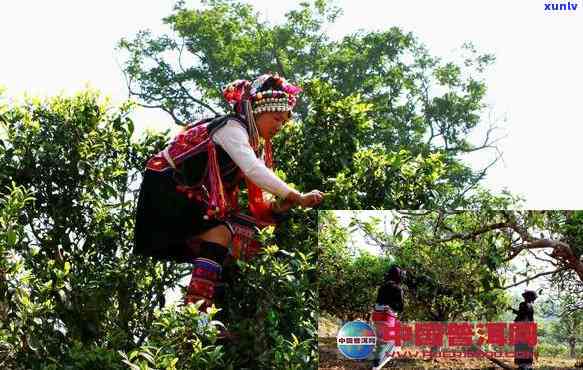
x,y
267,93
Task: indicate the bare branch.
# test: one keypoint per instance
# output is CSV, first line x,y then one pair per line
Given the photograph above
x,y
4,120
545,243
536,276
415,213
180,56
181,94
541,259
384,245
198,101
536,244
173,115
480,177
486,144
473,234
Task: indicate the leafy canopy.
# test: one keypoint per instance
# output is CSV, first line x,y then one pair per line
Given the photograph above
x,y
381,123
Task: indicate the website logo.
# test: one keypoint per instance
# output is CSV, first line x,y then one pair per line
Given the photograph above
x,y
356,340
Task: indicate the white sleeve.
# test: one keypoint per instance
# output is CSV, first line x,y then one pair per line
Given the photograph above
x,y
233,138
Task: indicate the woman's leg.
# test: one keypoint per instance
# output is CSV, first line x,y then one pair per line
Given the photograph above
x,y
210,249
219,234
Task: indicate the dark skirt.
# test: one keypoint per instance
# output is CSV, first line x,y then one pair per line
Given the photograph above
x,y
166,219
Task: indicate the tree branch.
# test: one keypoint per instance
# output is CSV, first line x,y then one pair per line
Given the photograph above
x,y
536,276
479,177
198,101
540,258
473,234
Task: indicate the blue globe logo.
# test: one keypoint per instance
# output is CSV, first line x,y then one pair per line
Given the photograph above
x,y
356,340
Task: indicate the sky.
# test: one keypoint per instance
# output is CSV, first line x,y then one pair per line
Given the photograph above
x,y
534,87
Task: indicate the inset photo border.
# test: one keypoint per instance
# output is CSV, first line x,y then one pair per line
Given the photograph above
x,y
450,288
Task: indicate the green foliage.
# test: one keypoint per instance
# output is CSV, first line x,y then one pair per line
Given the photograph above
x,y
278,327
347,283
572,227
72,295
78,287
552,350
448,281
459,278
87,357
287,271
459,261
566,328
271,307
180,338
381,123
20,317
566,226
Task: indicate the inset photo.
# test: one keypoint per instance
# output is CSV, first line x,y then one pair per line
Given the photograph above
x,y
446,289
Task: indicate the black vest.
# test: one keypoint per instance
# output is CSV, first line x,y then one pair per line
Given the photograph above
x,y
193,169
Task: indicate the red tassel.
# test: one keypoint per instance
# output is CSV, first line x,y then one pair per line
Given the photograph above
x,y
233,198
268,154
236,248
217,203
259,208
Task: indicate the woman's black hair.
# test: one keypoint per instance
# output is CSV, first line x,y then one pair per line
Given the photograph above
x,y
270,84
393,274
529,295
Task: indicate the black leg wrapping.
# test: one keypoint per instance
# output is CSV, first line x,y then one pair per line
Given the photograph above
x,y
213,251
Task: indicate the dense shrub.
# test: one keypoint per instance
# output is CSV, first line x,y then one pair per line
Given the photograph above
x,y
72,293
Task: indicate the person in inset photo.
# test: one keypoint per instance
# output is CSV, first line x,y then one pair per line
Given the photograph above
x,y
389,304
525,313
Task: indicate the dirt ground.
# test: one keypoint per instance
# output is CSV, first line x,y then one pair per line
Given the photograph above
x,y
332,359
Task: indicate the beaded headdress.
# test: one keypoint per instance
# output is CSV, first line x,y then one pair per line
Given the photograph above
x,y
267,93
271,93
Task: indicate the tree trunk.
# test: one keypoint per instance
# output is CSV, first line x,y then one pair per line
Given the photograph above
x,y
564,252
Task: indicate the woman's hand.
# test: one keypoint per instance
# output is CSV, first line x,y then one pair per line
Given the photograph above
x,y
310,199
